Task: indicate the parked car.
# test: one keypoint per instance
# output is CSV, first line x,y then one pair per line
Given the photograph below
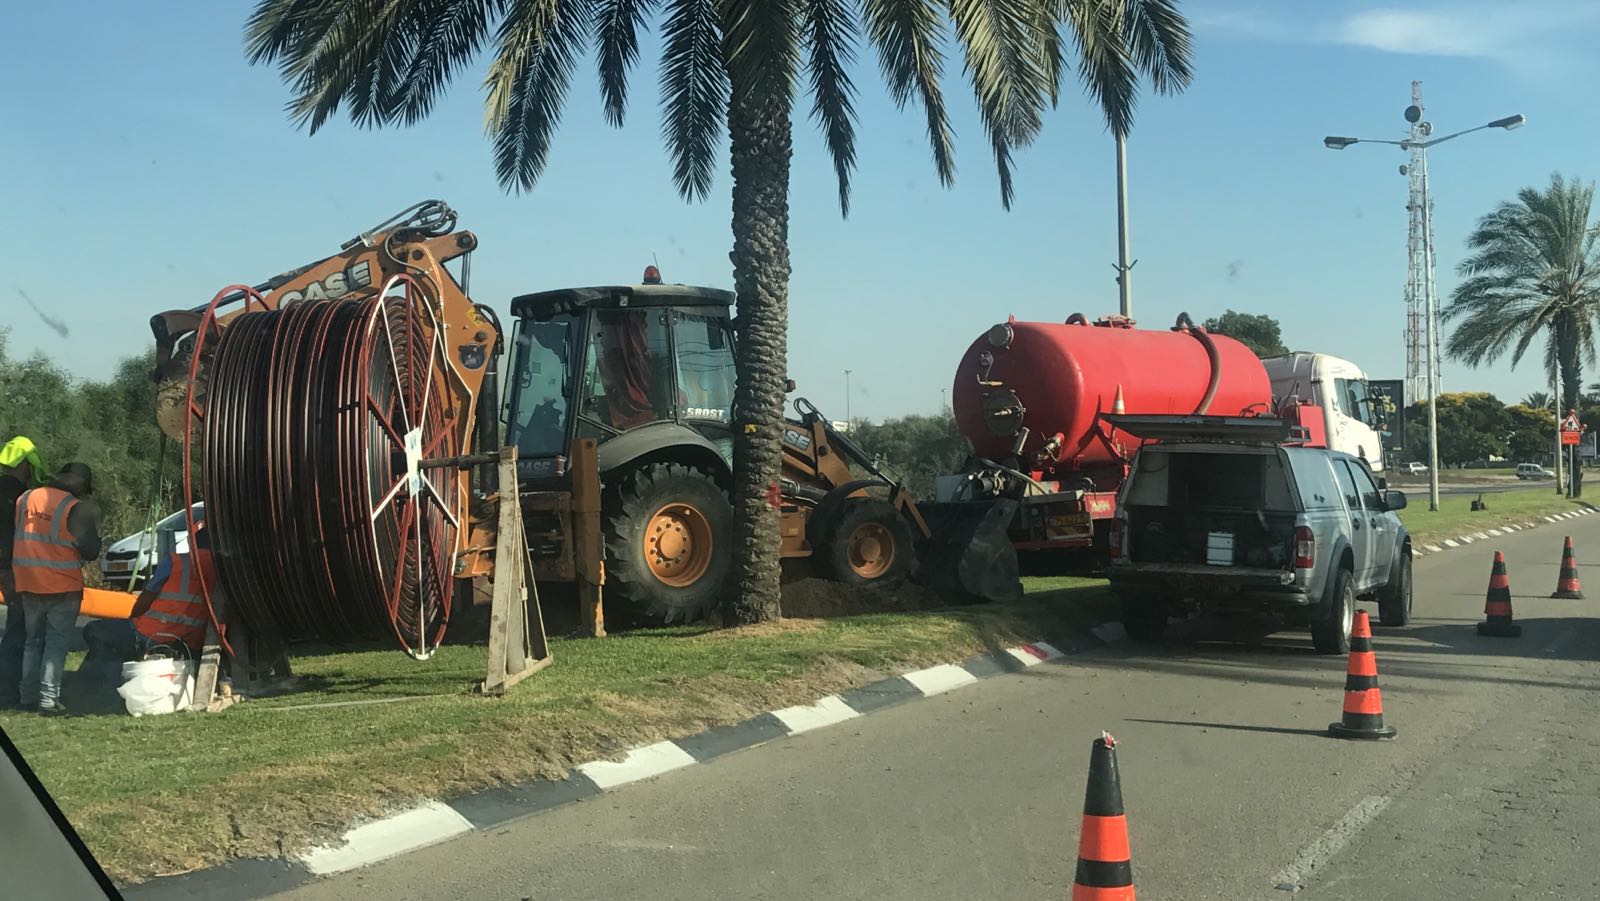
x,y
1416,468
1295,531
124,564
1528,471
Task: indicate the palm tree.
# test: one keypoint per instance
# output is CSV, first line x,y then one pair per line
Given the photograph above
x,y
1540,400
1534,270
730,64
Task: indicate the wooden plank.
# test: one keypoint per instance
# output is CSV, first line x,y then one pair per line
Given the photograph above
x,y
518,646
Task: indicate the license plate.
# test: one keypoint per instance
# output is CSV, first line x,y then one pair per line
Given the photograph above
x,y
1068,525
119,566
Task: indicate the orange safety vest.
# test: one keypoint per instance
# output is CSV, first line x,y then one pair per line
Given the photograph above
x,y
179,609
43,555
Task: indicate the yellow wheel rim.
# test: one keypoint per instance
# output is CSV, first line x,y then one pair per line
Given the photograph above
x,y
677,545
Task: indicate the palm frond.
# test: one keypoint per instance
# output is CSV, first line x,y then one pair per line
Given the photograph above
x,y
694,90
1104,64
906,34
1158,38
445,36
829,30
1003,66
331,52
538,44
761,47
616,26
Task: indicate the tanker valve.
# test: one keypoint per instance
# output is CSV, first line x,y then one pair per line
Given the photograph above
x,y
1047,453
986,363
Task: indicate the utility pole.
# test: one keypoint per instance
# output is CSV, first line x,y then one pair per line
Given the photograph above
x,y
1124,267
847,420
1420,245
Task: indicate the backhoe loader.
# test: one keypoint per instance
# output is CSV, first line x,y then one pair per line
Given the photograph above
x,y
619,401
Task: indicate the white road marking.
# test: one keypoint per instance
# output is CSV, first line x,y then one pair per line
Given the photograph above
x,y
1495,532
1527,525
1451,542
426,825
937,679
1433,548
1549,519
825,712
1464,539
1049,650
641,763
1480,536
1331,842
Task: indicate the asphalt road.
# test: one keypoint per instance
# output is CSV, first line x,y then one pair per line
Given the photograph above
x,y
1231,785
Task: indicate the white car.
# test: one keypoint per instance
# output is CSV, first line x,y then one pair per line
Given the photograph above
x,y
1533,471
1416,468
124,564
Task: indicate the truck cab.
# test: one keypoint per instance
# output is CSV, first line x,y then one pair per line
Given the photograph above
x,y
1353,420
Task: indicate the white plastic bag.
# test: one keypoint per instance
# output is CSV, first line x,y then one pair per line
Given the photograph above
x,y
157,686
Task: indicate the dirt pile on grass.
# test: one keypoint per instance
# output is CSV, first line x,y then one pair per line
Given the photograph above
x,y
823,598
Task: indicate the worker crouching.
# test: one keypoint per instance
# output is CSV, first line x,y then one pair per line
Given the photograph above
x,y
170,611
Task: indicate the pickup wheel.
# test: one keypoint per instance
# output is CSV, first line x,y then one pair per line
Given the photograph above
x,y
1144,618
1394,602
1331,633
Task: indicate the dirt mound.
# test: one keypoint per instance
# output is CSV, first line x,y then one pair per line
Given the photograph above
x,y
825,598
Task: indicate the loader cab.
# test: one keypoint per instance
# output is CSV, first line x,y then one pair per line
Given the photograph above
x,y
645,369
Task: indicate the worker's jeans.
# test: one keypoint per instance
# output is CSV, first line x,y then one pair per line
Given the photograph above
x,y
44,658
11,642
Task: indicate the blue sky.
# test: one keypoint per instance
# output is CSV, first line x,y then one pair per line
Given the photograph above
x,y
148,165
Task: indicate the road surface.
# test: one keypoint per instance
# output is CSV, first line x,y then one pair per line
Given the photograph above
x,y
1232,787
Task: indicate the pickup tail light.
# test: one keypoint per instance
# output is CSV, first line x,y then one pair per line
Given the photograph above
x,y
1305,548
1114,544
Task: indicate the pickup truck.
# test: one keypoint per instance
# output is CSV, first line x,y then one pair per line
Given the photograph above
x,y
1221,516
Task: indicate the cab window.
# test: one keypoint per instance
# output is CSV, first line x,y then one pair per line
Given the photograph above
x,y
630,374
705,367
1348,486
541,363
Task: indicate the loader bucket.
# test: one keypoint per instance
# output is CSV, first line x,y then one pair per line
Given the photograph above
x,y
968,557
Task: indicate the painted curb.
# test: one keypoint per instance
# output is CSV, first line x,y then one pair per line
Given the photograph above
x,y
1441,545
430,822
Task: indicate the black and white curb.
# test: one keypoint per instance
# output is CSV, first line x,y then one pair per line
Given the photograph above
x,y
432,822
1422,550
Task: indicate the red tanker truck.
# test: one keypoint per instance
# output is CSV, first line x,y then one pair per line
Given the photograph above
x,y
1034,399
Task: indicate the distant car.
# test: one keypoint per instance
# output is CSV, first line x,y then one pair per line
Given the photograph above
x,y
125,564
1533,471
1416,468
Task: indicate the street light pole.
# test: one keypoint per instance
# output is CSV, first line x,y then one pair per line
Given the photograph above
x,y
1414,116
847,400
1124,268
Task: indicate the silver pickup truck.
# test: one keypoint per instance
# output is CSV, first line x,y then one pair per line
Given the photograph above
x,y
1249,524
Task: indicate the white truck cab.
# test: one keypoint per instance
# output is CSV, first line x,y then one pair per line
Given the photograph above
x,y
1340,388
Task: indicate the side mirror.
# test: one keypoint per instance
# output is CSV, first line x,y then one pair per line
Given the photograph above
x,y
1394,500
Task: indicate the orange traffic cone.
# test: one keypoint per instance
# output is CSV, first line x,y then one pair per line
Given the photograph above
x,y
1363,704
1497,605
1567,585
1105,870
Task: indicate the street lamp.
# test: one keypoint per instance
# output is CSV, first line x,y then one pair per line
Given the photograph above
x,y
1419,151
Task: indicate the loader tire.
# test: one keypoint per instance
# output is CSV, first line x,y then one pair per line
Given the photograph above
x,y
868,543
668,532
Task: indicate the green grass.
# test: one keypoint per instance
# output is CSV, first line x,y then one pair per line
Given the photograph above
x,y
270,776
1455,515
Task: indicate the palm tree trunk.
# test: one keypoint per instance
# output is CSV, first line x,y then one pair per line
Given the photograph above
x,y
759,130
1567,359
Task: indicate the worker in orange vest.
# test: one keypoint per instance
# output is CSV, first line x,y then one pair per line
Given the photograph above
x,y
170,610
56,531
